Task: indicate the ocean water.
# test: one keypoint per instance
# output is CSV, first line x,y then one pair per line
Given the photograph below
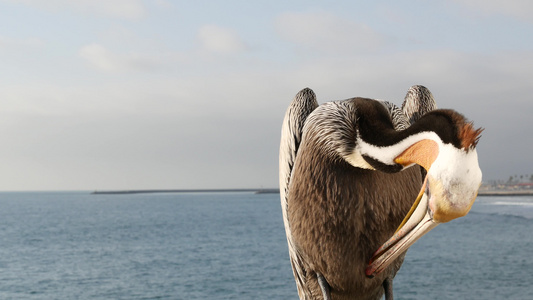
x,y
232,246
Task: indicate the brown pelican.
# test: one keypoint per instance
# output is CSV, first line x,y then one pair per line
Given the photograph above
x,y
350,172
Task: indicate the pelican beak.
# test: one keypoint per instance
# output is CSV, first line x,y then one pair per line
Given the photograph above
x,y
417,223
448,192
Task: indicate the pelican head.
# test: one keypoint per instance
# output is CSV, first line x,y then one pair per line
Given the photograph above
x,y
450,186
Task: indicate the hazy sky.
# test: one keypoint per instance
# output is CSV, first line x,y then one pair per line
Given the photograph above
x,y
131,94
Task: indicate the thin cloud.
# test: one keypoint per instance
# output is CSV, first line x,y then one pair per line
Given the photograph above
x,y
520,9
99,57
328,33
20,43
165,4
103,59
124,9
216,39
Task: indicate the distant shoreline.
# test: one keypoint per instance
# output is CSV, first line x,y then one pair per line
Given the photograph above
x,y
276,191
256,191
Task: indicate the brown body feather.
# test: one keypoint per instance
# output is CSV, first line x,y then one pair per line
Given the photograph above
x,y
340,215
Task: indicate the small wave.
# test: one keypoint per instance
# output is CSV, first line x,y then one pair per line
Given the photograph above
x,y
506,214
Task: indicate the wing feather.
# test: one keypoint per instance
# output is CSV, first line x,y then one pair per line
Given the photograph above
x,y
418,102
291,134
399,120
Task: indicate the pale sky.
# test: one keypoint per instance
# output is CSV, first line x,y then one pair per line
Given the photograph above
x,y
131,94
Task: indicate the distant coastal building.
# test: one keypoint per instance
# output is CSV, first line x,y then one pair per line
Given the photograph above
x,y
506,189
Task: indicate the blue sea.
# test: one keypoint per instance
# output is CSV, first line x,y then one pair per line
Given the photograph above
x,y
75,245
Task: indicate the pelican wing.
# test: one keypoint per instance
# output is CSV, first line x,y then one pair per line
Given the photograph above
x,y
418,101
399,120
291,133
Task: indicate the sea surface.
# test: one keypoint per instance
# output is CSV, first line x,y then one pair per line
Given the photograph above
x,y
74,245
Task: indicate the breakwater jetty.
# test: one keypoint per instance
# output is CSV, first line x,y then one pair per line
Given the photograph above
x,y
122,192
